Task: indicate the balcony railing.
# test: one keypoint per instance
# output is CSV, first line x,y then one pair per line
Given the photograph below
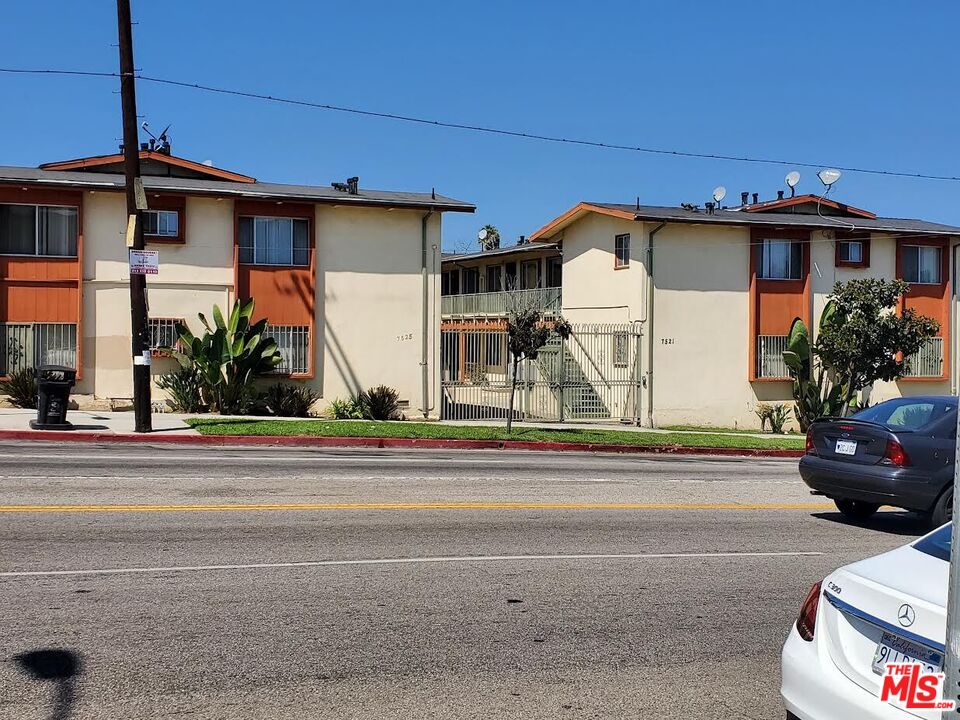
x,y
770,362
928,361
494,304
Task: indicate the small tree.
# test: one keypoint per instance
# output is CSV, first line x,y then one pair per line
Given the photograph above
x,y
867,341
527,333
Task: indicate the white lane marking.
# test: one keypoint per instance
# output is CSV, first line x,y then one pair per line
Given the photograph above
x,y
405,561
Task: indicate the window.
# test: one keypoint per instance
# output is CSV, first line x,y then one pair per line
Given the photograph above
x,y
161,223
621,349
293,342
275,241
163,333
471,280
920,264
530,275
555,272
450,282
781,260
770,362
38,230
621,248
928,361
851,251
494,278
25,345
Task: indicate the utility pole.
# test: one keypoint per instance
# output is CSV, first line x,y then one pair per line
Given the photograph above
x,y
951,663
135,206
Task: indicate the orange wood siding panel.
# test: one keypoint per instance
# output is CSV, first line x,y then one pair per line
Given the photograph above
x,y
774,304
285,295
930,300
41,289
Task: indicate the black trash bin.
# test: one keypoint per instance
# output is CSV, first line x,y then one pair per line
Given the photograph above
x,y
53,395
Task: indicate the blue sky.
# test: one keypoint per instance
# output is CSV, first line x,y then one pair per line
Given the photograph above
x,y
850,83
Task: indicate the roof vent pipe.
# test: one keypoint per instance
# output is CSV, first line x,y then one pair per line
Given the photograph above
x,y
779,194
353,185
756,198
709,207
744,197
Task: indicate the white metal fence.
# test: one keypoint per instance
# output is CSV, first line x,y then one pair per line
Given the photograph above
x,y
928,361
770,362
25,345
293,342
546,300
594,374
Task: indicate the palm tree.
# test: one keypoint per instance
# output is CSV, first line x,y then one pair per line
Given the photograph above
x,y
490,241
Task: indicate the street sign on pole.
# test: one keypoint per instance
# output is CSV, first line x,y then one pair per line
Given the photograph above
x,y
951,664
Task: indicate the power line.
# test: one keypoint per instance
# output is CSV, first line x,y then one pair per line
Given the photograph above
x,y
481,128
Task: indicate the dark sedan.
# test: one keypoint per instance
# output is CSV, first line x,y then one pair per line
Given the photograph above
x,y
899,452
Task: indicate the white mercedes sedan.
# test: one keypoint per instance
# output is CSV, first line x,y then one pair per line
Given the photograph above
x,y
887,609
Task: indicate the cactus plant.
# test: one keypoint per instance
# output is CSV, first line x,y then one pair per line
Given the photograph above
x,y
229,355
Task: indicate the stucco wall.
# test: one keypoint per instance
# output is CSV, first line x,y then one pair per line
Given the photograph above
x,y
368,325
369,315
593,291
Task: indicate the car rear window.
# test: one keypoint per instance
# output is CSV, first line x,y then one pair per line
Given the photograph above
x,y
936,544
907,413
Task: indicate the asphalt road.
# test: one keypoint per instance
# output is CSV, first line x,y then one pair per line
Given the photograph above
x,y
271,583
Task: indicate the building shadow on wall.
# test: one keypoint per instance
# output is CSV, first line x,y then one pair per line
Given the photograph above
x,y
60,669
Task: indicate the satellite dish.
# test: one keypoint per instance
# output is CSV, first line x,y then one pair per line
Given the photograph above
x,y
482,235
793,177
719,193
829,176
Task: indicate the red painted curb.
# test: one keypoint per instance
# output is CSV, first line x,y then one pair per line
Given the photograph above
x,y
387,442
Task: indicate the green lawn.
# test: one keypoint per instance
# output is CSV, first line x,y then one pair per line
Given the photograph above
x,y
362,428
711,429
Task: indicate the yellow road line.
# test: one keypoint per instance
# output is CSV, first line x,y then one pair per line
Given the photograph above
x,y
261,507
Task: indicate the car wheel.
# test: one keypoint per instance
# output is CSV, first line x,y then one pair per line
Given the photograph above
x,y
942,511
856,509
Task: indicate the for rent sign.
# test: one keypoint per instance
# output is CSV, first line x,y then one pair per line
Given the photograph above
x,y
144,262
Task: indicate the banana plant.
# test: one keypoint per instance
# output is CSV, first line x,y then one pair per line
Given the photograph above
x,y
229,355
818,391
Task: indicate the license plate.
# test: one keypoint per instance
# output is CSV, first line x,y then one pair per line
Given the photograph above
x,y
894,649
846,447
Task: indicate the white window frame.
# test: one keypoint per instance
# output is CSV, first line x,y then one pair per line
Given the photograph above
x,y
157,323
286,367
762,260
936,250
293,248
848,245
159,214
621,251
36,230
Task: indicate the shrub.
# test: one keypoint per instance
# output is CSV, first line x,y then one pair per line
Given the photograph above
x,y
348,409
21,388
379,403
779,414
287,400
185,387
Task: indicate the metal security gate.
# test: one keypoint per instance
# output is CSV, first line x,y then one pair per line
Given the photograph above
x,y
592,375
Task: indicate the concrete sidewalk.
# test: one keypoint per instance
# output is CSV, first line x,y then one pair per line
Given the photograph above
x,y
99,422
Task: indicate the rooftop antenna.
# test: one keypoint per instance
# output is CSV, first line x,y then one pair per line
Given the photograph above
x,y
828,177
792,178
719,193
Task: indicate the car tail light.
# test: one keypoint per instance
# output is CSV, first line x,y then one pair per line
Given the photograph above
x,y
811,448
896,454
807,622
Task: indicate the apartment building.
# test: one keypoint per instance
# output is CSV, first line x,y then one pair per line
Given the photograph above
x,y
347,277
714,291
